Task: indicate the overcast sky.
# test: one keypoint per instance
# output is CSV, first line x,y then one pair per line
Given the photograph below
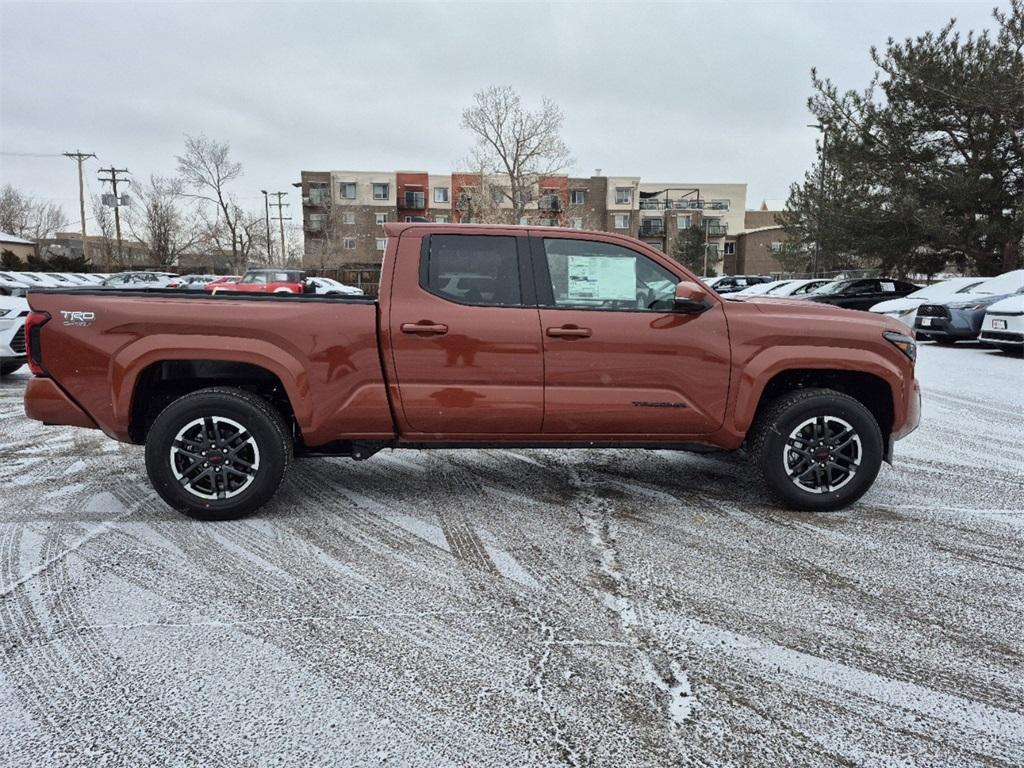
x,y
691,92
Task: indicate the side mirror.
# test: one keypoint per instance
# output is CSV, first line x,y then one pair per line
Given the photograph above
x,y
691,299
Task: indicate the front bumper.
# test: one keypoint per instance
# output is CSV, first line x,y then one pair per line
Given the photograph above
x,y
960,325
1003,329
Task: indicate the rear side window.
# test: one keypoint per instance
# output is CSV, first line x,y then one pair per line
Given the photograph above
x,y
482,270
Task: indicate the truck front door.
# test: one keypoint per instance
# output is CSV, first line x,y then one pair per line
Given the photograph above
x,y
465,335
618,360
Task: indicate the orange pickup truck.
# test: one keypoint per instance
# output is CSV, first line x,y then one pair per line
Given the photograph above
x,y
483,336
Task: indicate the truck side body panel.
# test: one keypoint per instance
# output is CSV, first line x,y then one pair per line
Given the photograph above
x,y
324,353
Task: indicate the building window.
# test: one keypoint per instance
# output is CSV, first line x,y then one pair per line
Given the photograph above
x,y
776,247
577,223
382,243
549,222
577,196
729,248
316,222
440,219
380,218
440,194
415,200
349,243
683,222
381,191
623,195
621,221
347,190
348,217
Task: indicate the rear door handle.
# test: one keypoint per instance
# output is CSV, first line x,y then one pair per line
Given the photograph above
x,y
569,331
434,329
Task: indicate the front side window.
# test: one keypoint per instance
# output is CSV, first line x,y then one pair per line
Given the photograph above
x,y
474,269
591,275
347,190
381,191
440,194
255,277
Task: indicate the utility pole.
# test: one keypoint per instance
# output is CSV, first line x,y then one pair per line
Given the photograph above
x,y
113,181
81,157
281,219
270,246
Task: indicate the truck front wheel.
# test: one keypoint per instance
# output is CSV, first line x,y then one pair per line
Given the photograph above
x,y
818,449
218,453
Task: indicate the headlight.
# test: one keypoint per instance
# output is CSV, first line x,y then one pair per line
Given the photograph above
x,y
904,343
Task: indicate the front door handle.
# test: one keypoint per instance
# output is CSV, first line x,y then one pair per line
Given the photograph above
x,y
569,331
433,329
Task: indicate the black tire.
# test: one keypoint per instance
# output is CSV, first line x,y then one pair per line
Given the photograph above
x,y
778,442
944,341
10,366
258,454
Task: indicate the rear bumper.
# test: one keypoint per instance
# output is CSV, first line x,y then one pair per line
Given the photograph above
x,y
46,402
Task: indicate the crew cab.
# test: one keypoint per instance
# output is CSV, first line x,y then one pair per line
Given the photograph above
x,y
559,338
265,281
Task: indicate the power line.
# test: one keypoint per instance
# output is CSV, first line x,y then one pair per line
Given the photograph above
x,y
81,157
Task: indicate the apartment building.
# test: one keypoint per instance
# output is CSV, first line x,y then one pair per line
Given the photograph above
x,y
344,212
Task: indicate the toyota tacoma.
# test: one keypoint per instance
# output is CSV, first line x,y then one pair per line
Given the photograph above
x,y
482,336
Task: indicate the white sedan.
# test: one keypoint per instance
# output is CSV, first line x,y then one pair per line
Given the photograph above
x,y
760,289
325,286
796,287
13,311
904,309
1003,325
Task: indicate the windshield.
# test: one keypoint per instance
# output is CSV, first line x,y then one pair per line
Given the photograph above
x,y
833,287
1011,282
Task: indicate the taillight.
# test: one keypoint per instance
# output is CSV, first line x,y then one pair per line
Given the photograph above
x,y
33,349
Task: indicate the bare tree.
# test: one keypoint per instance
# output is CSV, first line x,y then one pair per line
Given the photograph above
x,y
522,145
22,216
104,220
159,223
206,169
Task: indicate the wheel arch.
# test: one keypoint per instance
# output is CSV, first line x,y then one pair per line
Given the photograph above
x,y
159,382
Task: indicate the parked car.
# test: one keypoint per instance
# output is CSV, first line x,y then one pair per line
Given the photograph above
x,y
959,317
225,395
1003,325
192,282
137,280
796,287
265,281
762,289
328,287
905,308
13,311
733,283
222,281
859,293
11,287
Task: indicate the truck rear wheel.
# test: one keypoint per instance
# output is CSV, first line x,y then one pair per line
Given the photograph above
x,y
818,449
218,453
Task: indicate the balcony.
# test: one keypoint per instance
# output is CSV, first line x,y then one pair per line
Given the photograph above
x,y
652,228
317,197
314,225
550,203
717,230
416,201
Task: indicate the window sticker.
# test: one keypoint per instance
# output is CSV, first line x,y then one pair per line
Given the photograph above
x,y
888,287
603,278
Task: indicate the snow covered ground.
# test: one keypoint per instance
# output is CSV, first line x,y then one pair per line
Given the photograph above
x,y
535,608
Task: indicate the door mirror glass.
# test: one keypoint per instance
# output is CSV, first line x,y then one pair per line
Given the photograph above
x,y
690,298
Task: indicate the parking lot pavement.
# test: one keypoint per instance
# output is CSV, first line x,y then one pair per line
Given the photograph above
x,y
523,608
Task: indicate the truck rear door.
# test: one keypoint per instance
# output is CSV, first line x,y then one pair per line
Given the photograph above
x,y
465,334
